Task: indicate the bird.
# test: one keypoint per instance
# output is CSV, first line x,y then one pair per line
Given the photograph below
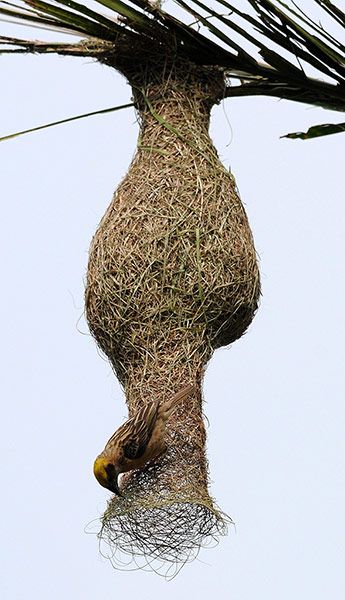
x,y
139,440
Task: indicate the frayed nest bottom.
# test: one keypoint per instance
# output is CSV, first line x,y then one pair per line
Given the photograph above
x,y
160,537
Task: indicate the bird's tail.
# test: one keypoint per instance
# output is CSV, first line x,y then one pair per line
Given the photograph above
x,y
169,406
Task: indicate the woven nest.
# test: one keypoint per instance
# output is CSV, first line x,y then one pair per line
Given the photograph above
x,y
166,513
172,275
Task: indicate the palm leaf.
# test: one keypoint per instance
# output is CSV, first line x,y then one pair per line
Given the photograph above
x,y
77,21
95,16
68,120
317,131
285,39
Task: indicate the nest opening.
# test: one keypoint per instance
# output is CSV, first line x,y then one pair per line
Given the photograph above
x,y
161,537
165,514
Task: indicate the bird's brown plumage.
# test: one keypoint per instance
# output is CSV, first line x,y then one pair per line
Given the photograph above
x,y
137,441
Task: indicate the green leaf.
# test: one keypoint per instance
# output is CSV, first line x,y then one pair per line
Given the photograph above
x,y
33,17
316,131
125,10
67,17
76,6
90,114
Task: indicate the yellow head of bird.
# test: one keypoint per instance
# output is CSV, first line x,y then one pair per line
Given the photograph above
x,y
106,474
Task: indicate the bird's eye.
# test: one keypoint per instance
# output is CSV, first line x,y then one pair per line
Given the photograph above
x,y
110,469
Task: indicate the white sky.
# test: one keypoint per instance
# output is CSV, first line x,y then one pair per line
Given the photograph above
x,y
275,399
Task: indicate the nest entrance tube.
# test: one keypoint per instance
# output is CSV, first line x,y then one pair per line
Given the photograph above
x,y
172,275
166,514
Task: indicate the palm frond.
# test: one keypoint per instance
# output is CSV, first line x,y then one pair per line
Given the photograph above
x,y
272,48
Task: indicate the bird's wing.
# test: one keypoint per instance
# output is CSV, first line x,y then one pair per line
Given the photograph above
x,y
141,430
136,432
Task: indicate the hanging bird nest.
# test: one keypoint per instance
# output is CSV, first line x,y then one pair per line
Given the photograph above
x,y
172,272
172,276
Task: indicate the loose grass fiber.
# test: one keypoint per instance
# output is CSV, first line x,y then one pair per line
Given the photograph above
x,y
172,276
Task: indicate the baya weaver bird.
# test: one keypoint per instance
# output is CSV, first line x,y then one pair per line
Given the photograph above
x,y
137,441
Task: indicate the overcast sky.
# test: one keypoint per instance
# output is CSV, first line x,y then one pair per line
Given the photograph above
x,y
275,399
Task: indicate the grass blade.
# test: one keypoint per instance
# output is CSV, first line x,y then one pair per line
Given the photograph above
x,y
83,116
316,131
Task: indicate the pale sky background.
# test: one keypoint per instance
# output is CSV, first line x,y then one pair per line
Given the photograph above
x,y
275,399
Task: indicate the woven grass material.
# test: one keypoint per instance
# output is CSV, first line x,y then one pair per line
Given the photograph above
x,y
172,275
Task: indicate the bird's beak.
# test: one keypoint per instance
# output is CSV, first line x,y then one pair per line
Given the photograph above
x,y
107,474
113,484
